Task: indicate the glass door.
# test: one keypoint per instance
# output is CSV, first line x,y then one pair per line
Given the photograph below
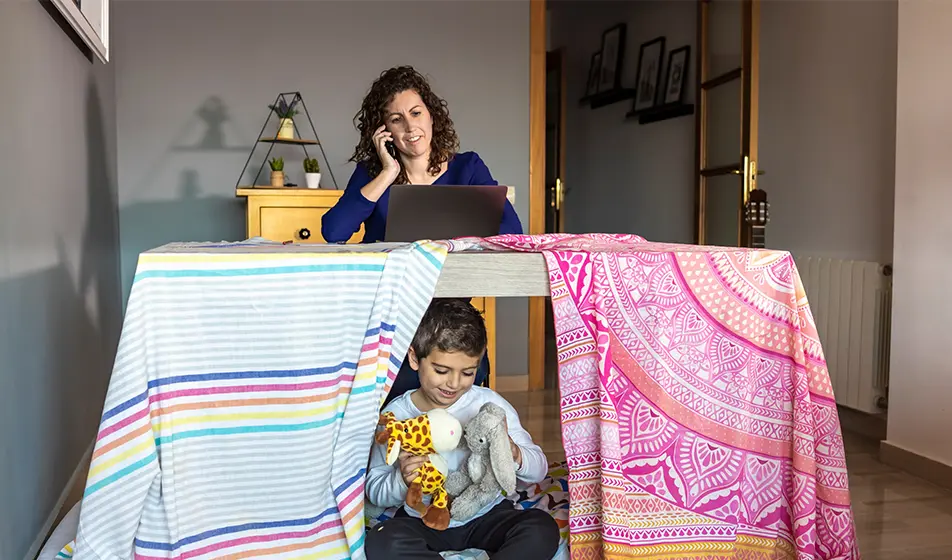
x,y
731,211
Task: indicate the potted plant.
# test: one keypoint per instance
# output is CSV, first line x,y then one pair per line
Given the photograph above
x,y
312,173
285,114
277,171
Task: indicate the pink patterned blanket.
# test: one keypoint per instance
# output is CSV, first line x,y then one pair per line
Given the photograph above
x,y
697,413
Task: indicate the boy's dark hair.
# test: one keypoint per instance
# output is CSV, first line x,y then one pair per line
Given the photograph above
x,y
450,325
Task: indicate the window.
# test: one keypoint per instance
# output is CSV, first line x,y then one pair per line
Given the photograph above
x,y
90,19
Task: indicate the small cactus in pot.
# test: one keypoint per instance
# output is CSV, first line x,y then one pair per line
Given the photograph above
x,y
312,173
277,171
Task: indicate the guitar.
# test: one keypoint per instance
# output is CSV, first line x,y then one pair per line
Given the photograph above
x,y
757,214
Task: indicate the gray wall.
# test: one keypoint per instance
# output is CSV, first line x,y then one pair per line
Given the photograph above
x,y
59,279
827,127
177,183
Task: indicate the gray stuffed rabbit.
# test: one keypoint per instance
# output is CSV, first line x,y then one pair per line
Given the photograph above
x,y
489,469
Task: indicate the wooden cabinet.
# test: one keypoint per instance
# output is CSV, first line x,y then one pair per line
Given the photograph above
x,y
290,214
294,214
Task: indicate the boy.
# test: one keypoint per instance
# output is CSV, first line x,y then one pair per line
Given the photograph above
x,y
446,351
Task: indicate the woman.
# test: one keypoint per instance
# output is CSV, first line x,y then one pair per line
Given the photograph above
x,y
401,110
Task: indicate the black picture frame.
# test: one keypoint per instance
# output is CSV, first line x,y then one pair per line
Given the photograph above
x,y
613,56
650,59
679,64
594,71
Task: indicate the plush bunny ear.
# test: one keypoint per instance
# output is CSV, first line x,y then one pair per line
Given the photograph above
x,y
500,457
494,409
393,452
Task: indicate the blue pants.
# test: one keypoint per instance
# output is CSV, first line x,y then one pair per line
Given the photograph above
x,y
408,379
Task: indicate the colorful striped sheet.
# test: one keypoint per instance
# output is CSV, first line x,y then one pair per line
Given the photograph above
x,y
244,397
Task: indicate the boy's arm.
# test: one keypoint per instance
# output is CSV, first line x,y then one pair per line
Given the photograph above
x,y
535,466
385,485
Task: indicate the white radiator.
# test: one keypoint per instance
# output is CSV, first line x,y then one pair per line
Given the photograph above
x,y
851,302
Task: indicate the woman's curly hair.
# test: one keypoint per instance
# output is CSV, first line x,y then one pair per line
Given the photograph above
x,y
443,144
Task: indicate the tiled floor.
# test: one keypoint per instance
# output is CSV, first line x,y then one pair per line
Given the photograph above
x,y
898,516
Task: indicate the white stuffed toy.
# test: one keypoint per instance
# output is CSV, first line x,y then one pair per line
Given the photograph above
x,y
490,468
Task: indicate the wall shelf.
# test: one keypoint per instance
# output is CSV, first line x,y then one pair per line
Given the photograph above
x,y
608,97
661,113
294,141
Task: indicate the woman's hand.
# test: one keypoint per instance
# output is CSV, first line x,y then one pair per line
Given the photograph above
x,y
410,466
373,190
390,166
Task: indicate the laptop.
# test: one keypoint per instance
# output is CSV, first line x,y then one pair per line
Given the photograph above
x,y
417,212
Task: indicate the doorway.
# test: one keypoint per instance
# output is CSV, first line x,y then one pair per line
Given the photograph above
x,y
554,141
729,207
554,184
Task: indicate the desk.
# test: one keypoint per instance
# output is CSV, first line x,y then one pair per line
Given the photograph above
x,y
493,274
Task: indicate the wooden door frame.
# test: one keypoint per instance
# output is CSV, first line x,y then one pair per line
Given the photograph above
x,y
537,52
560,53
748,73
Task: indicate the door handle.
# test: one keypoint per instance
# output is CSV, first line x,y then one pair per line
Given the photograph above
x,y
738,172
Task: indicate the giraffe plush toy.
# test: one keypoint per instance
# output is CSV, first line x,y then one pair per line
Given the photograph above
x,y
431,434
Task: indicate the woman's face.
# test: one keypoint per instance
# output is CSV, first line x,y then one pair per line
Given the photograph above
x,y
410,123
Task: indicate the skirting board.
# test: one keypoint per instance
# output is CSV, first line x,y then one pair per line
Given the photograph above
x,y
926,468
867,425
55,514
512,383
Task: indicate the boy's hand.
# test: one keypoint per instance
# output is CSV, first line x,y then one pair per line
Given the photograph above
x,y
410,466
516,450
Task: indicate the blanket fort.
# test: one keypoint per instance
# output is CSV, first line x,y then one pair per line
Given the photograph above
x,y
698,417
697,413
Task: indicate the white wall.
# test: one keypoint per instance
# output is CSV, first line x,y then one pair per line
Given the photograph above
x,y
59,264
920,413
827,96
172,57
827,126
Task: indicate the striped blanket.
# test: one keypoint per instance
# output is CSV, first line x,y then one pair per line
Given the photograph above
x,y
243,399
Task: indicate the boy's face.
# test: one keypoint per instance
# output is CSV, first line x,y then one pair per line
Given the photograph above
x,y
445,376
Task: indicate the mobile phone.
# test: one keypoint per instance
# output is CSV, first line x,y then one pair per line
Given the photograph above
x,y
391,149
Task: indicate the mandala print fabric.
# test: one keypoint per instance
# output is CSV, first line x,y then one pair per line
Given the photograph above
x,y
698,417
